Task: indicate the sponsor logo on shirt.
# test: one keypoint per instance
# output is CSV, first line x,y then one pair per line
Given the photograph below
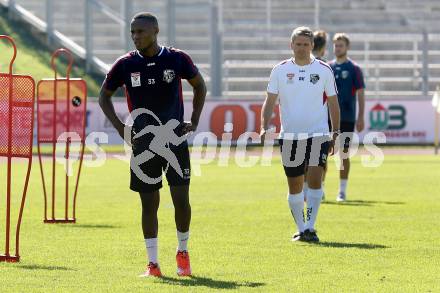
x,y
135,79
314,78
290,77
168,75
151,64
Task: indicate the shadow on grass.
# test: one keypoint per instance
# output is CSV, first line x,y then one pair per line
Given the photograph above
x,y
350,245
363,202
208,282
47,268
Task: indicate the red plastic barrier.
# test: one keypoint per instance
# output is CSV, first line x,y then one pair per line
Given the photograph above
x,y
61,108
16,133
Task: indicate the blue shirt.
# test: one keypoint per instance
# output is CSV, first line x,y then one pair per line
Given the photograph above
x,y
152,83
349,79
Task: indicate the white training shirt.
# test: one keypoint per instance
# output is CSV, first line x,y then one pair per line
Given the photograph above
x,y
302,93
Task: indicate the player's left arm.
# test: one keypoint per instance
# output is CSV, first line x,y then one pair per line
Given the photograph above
x,y
360,92
199,91
360,124
331,91
333,107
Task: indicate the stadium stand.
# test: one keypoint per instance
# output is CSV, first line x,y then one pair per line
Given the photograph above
x,y
387,37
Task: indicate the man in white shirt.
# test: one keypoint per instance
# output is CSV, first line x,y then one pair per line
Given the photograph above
x,y
305,88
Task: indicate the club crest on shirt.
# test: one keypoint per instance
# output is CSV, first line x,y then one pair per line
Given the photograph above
x,y
344,74
135,79
314,78
290,77
168,75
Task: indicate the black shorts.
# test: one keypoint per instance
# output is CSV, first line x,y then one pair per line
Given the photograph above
x,y
151,177
347,129
301,154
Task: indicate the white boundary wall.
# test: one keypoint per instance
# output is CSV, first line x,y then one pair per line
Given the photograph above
x,y
403,121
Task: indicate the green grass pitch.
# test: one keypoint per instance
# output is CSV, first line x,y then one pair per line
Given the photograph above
x,y
384,239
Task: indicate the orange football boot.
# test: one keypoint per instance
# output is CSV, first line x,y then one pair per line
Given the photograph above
x,y
183,265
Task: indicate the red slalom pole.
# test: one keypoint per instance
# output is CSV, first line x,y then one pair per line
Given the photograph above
x,y
8,192
50,94
69,68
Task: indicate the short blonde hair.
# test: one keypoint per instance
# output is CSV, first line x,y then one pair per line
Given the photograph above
x,y
302,31
342,37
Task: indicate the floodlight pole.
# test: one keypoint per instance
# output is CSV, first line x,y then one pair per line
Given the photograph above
x,y
317,8
436,132
49,21
425,69
437,120
89,34
128,11
216,50
171,21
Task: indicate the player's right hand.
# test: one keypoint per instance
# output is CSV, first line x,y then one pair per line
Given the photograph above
x,y
262,135
126,135
188,127
332,143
